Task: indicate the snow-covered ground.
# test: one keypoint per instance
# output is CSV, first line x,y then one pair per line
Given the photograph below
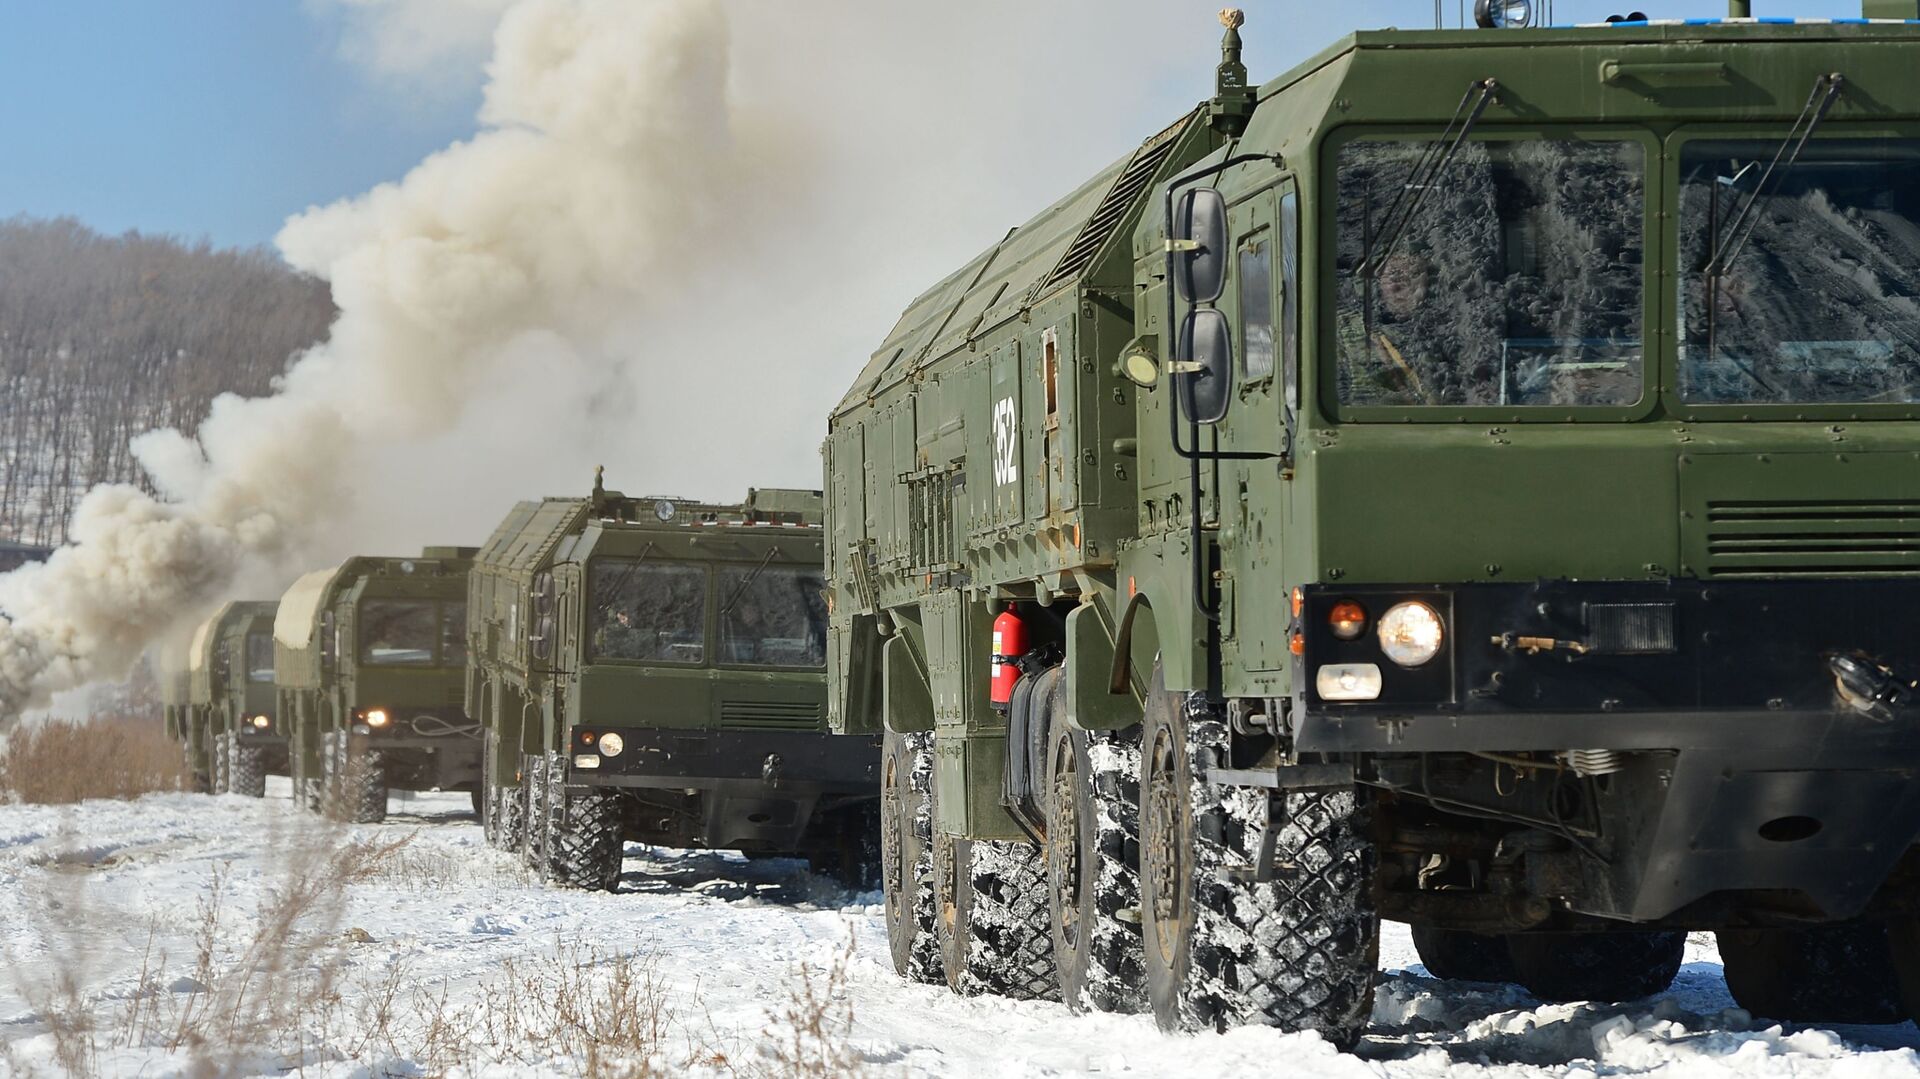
x,y
146,939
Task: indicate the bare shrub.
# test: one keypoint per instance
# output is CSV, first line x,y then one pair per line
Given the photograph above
x,y
265,990
810,1036
61,761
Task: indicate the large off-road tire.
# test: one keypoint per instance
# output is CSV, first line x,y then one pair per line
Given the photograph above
x,y
533,839
509,819
1824,974
330,778
1298,952
366,775
1611,967
1093,861
246,767
853,860
199,777
584,837
217,748
305,789
1457,955
991,917
906,854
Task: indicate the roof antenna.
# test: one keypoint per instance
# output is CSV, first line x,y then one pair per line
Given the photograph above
x,y
1233,99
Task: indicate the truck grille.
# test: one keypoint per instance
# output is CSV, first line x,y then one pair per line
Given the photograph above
x,y
1809,538
770,715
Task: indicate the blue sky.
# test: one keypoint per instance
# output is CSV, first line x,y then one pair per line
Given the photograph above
x,y
218,118
211,118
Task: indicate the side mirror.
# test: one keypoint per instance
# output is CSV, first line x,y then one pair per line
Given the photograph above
x,y
1199,235
543,638
1205,378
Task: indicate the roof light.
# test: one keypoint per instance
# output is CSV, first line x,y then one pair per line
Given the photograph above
x,y
1503,14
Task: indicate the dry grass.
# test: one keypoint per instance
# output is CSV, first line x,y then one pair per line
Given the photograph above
x,y
61,761
811,1035
289,985
256,980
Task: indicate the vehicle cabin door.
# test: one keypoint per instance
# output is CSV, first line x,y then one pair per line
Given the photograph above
x,y
1253,502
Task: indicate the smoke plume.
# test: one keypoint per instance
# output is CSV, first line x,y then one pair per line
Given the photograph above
x,y
605,146
678,232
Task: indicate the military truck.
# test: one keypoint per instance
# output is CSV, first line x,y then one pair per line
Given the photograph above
x,y
651,669
370,659
218,698
1472,480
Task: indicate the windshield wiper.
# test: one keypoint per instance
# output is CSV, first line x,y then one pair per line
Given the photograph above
x,y
1426,173
620,584
1727,248
741,588
1825,89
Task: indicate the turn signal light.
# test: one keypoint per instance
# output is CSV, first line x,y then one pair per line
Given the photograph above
x,y
1348,620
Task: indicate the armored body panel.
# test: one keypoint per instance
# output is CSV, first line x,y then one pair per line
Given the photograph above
x,y
1505,436
370,660
656,665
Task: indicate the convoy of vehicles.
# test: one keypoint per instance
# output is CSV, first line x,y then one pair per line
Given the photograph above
x,y
651,669
1471,480
370,663
218,699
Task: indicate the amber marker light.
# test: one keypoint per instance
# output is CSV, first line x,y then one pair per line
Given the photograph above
x,y
1299,602
1348,620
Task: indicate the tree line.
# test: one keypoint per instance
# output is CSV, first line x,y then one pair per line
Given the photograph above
x,y
105,337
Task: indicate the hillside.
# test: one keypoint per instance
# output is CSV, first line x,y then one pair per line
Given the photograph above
x,y
103,337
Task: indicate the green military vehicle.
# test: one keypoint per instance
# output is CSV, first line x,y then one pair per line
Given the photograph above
x,y
219,701
370,659
1471,480
651,669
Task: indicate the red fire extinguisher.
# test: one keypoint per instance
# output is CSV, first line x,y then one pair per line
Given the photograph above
x,y
1009,644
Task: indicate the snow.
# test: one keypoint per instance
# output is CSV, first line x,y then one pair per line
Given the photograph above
x,y
115,897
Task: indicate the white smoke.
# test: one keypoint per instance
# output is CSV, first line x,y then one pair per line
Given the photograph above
x,y
679,232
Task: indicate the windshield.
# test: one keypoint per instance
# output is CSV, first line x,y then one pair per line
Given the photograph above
x,y
1821,302
259,657
778,617
1518,282
398,632
648,611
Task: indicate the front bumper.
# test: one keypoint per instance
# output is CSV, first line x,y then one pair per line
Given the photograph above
x,y
809,762
425,752
1750,773
1658,664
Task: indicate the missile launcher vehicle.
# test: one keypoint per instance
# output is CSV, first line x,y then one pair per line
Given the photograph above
x,y
651,669
1472,479
220,701
370,662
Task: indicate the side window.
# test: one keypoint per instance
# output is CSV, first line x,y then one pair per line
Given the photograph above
x,y
1256,305
1290,298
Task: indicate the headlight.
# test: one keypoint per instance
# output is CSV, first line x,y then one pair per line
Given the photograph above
x,y
1347,682
377,717
261,723
611,744
1411,633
